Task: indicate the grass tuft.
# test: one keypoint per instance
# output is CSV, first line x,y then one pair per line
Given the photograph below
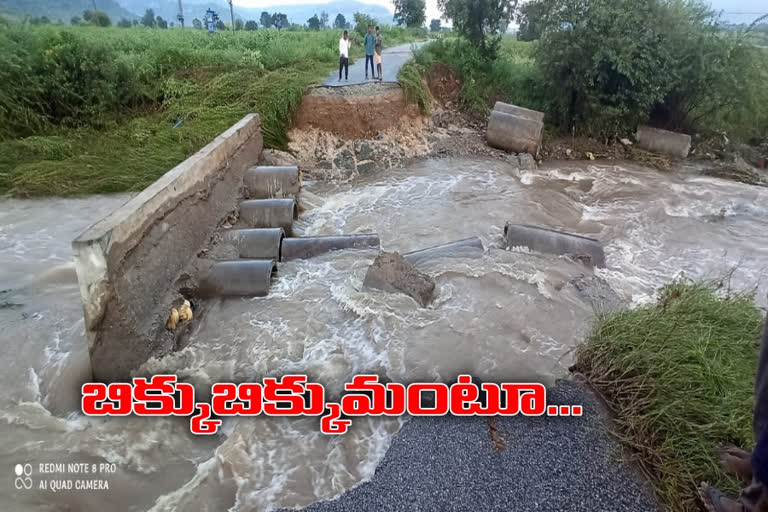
x,y
679,375
416,91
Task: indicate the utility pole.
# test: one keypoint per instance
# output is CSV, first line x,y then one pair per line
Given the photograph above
x,y
180,16
94,5
232,14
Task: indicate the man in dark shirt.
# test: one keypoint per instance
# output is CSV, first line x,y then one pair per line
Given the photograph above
x,y
752,468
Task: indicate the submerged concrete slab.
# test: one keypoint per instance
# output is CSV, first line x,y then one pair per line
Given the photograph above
x,y
677,145
128,263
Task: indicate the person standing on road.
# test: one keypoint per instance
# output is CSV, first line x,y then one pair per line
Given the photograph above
x,y
369,40
377,52
752,468
344,43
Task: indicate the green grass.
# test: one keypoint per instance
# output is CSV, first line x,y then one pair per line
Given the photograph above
x,y
91,110
679,375
511,77
416,91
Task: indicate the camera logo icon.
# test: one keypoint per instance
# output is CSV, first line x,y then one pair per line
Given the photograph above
x,y
23,473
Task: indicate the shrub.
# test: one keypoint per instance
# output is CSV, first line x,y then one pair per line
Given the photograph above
x,y
609,65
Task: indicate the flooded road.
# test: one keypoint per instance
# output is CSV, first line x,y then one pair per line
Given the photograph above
x,y
507,316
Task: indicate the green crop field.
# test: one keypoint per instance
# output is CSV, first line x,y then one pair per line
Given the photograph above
x,y
97,110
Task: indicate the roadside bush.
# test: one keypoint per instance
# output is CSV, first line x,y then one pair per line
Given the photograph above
x,y
609,65
511,77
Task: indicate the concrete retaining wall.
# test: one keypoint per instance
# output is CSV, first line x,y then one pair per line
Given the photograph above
x,y
129,262
662,141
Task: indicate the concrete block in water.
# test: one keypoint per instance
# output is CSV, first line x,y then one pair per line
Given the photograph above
x,y
514,133
391,273
244,278
533,115
677,145
261,243
307,247
466,248
554,242
269,213
264,182
128,262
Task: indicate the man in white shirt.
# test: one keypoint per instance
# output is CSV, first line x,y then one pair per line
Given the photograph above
x,y
344,43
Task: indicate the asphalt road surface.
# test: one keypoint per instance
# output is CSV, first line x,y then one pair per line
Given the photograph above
x,y
548,465
392,59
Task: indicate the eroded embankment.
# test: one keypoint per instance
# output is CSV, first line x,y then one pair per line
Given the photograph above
x,y
345,132
355,110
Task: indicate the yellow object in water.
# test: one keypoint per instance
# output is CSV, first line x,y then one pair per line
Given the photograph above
x,y
185,312
173,320
590,155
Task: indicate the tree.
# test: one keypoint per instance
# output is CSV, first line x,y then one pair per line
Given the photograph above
x,y
361,23
196,23
480,21
124,23
340,22
161,23
75,20
609,65
410,12
148,20
434,25
239,24
279,20
135,23
323,19
87,15
314,23
220,25
536,16
100,18
251,25
42,20
266,19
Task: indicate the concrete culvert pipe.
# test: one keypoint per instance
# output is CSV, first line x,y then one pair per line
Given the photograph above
x,y
245,278
266,182
514,133
466,248
554,242
308,247
533,115
256,243
269,213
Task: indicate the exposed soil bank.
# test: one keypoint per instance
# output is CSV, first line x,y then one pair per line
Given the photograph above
x,y
355,110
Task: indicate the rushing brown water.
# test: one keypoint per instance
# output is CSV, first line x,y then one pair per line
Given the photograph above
x,y
506,316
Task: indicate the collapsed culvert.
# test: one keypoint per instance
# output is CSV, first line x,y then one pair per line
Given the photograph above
x,y
242,278
355,110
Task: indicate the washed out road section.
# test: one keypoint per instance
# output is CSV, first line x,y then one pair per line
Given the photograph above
x,y
392,59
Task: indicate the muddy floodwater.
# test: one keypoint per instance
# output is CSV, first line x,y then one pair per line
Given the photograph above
x,y
507,316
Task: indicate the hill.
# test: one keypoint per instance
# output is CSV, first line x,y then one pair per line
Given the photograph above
x,y
62,9
298,13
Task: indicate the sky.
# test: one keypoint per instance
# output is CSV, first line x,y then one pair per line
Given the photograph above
x,y
749,8
432,11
